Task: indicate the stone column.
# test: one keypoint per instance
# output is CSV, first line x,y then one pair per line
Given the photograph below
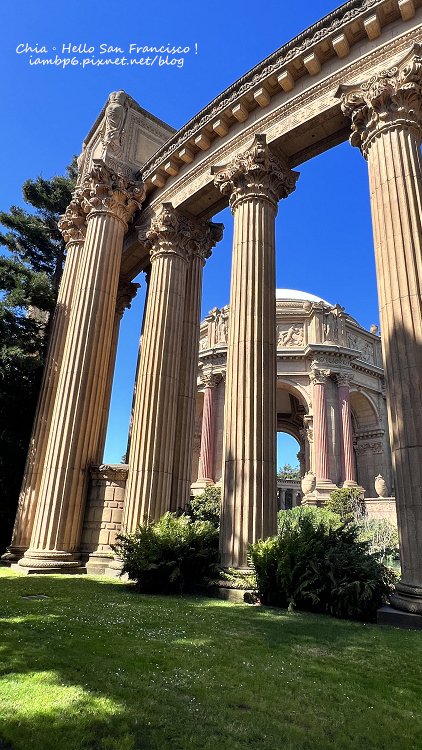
x,y
73,227
109,201
206,458
346,432
254,182
125,294
203,236
170,238
319,379
386,114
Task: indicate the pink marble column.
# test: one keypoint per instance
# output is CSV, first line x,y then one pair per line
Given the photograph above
x,y
319,379
347,455
206,458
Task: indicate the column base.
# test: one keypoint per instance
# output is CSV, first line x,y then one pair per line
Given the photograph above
x,y
323,490
114,569
395,618
350,483
98,563
49,561
407,598
12,554
198,487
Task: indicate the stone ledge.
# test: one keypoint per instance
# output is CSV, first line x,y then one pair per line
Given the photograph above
x,y
79,570
395,618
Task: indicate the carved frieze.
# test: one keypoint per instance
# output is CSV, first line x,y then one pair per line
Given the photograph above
x,y
365,348
290,336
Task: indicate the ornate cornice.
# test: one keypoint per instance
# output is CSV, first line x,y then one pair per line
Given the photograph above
x,y
110,472
73,222
325,29
170,232
103,191
255,173
392,98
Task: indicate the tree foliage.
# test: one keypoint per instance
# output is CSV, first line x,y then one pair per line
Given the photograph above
x,y
31,264
288,472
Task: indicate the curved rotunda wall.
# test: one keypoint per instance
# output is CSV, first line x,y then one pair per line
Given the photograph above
x,y
309,331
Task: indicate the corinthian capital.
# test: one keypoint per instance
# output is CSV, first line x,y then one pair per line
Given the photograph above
x,y
344,379
73,223
392,98
318,376
210,379
170,232
106,192
255,173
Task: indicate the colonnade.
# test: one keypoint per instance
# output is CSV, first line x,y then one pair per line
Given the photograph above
x,y
386,117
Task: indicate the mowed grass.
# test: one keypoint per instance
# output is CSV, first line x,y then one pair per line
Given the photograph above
x,y
98,667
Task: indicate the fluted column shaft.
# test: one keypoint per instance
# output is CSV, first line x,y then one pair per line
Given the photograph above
x,y
73,227
125,293
320,428
185,422
347,455
387,126
255,181
109,202
206,456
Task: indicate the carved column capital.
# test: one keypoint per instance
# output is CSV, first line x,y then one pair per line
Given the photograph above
x,y
317,375
210,379
170,232
255,173
105,192
125,294
344,379
392,98
73,222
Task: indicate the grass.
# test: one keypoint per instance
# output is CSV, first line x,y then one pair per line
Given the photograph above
x,y
97,667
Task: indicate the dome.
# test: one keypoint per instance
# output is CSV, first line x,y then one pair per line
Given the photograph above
x,y
294,294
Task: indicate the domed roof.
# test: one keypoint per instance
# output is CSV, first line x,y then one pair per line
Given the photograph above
x,y
294,294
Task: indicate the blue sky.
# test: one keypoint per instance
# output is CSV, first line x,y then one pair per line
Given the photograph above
x,y
324,236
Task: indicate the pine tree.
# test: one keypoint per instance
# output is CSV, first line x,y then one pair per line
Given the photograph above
x,y
30,271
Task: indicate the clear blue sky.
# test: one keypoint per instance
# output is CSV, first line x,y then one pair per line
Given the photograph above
x,y
324,236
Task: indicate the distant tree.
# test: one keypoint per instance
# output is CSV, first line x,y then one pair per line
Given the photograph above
x,y
288,472
31,265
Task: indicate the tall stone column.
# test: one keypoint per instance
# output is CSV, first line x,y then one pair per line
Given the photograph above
x,y
346,432
73,227
125,294
109,201
322,472
170,238
254,182
206,456
203,236
386,114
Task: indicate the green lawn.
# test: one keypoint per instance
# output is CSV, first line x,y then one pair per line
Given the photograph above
x,y
98,667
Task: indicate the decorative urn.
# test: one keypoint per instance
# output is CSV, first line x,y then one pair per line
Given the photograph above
x,y
308,483
380,486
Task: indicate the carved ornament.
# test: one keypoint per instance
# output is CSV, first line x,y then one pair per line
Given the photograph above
x,y
125,294
392,98
318,376
255,173
103,191
169,232
73,222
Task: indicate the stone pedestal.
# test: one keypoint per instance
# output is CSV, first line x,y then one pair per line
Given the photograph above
x,y
386,114
254,182
73,227
109,202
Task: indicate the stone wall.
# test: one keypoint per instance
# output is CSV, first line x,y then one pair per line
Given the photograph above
x,y
103,513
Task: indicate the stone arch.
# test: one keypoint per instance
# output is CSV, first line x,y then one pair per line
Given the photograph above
x,y
364,412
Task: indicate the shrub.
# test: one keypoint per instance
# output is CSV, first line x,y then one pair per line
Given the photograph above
x,y
206,506
382,537
320,569
317,516
348,503
172,555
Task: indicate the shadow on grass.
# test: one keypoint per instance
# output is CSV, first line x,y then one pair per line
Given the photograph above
x,y
96,666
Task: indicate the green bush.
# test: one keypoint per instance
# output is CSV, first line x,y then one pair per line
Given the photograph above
x,y
317,516
348,503
206,506
382,537
172,555
320,568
